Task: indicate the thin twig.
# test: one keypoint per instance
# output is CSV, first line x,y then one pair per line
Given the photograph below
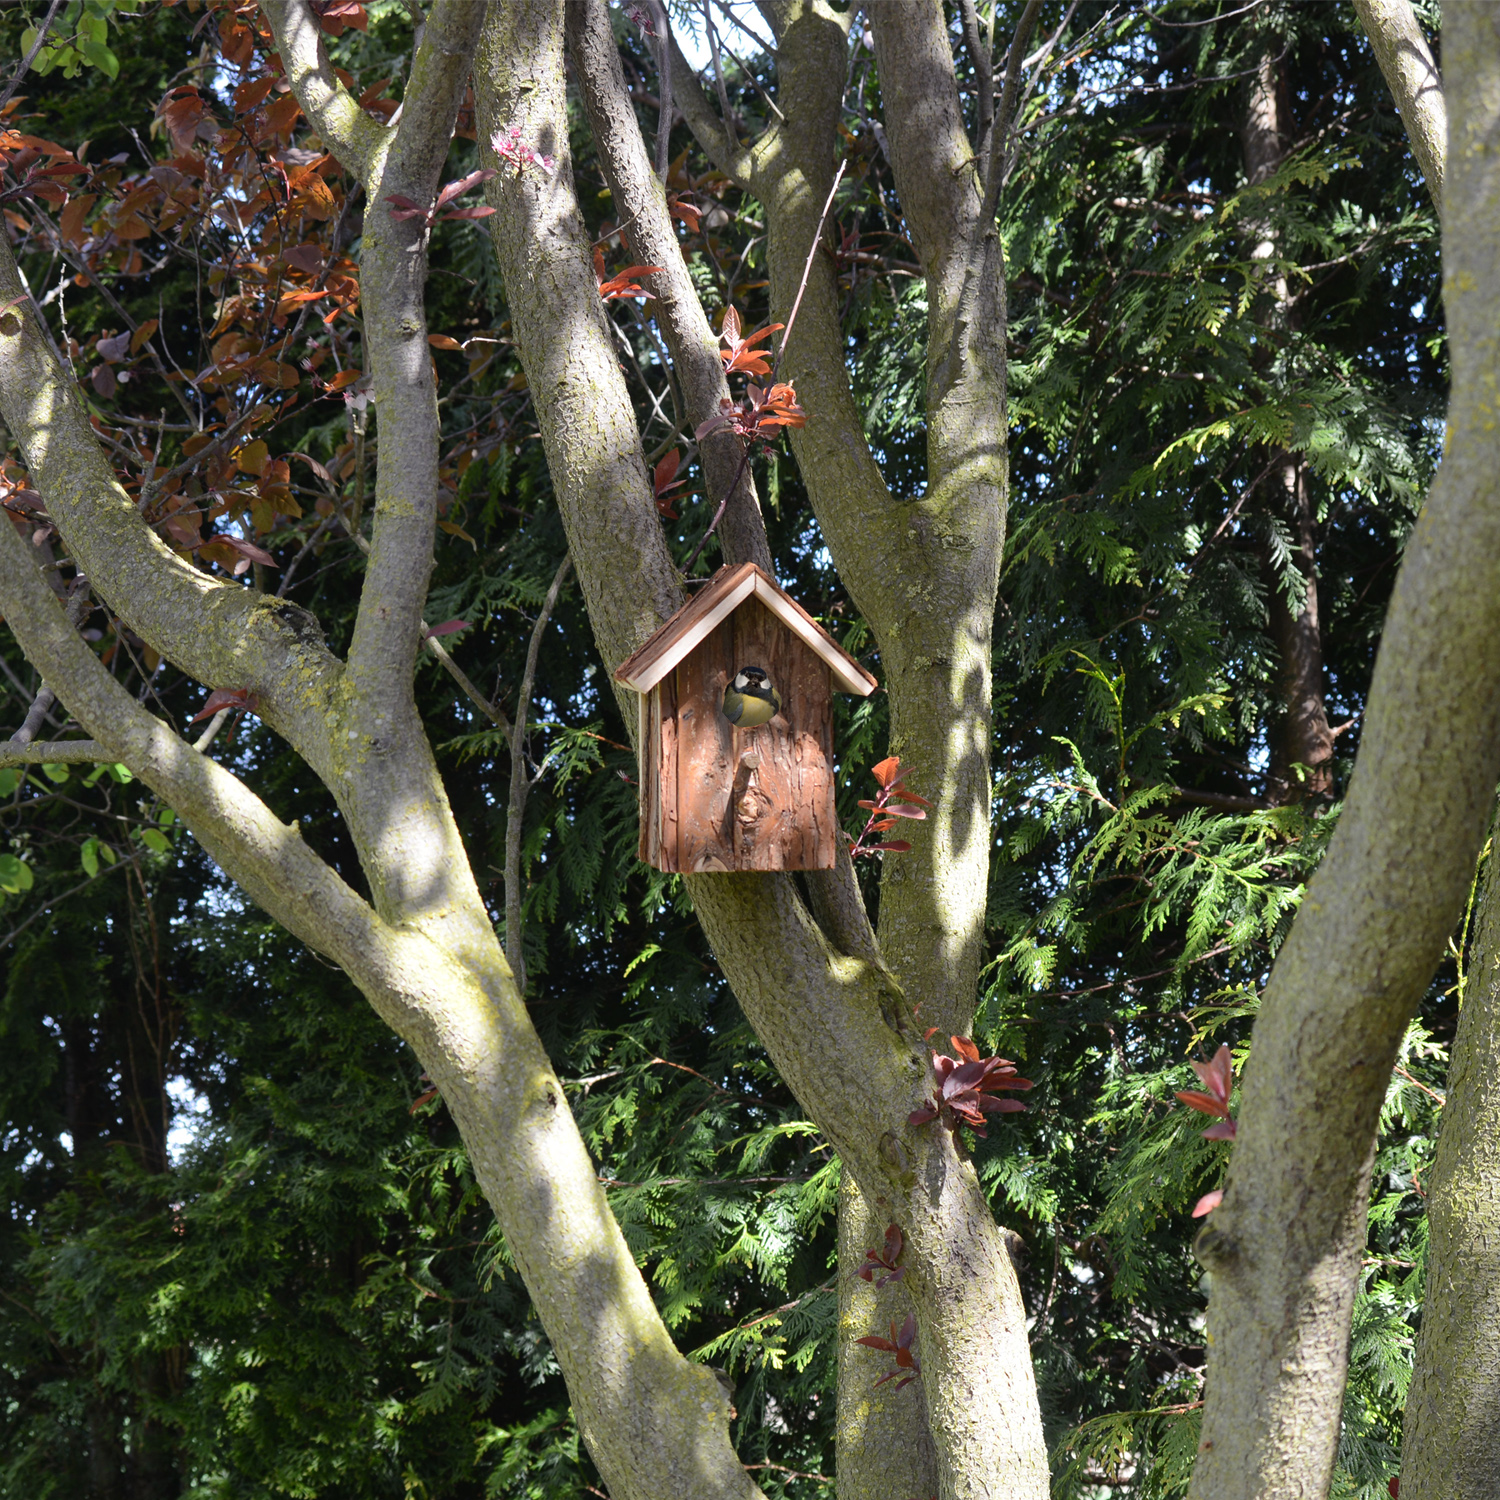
x,y
492,711
767,47
1004,116
78,608
36,46
731,139
755,82
521,783
687,567
215,724
72,890
1039,57
791,321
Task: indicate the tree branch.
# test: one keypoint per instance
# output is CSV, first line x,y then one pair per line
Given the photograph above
x,y
1448,1444
358,140
387,630
19,752
520,786
381,766
640,201
217,632
1407,63
663,53
984,73
728,155
1286,1244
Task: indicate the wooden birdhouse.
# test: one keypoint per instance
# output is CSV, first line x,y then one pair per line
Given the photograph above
x,y
715,796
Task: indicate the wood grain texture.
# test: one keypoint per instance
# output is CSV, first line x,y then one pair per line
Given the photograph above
x,y
716,798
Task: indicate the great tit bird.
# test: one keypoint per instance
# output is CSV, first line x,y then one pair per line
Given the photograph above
x,y
750,700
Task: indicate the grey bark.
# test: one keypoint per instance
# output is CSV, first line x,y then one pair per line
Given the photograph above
x,y
835,1021
426,954
1451,1441
1285,1246
1415,83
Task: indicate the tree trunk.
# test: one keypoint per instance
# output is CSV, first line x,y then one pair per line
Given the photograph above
x,y
884,1442
1301,739
1451,1442
1285,1246
1300,735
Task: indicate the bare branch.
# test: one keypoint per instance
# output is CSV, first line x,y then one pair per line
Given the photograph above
x,y
29,752
387,631
35,715
812,251
1005,114
728,155
979,53
726,114
520,786
662,22
492,711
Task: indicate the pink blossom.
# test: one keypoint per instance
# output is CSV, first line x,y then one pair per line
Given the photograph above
x,y
510,145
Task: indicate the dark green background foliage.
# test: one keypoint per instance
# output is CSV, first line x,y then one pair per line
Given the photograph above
x,y
299,1293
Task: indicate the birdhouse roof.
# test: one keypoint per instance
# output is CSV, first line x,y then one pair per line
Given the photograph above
x,y
729,588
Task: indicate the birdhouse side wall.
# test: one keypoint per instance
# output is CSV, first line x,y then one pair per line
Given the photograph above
x,y
658,771
726,798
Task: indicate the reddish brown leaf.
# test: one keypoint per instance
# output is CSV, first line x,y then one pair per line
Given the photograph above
x,y
1205,1103
315,466
741,353
236,42
241,699
73,216
245,549
1217,1075
252,457
680,208
308,258
252,93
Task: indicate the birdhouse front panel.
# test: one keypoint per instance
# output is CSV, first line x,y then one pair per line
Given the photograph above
x,y
735,739
730,798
